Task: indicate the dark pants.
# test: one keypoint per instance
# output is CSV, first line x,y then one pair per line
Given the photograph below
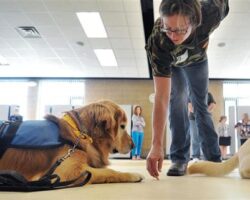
x,y
191,81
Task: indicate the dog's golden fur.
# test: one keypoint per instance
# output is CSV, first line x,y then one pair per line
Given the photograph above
x,y
241,159
106,126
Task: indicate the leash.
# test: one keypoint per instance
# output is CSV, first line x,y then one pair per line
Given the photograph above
x,y
83,132
14,181
11,128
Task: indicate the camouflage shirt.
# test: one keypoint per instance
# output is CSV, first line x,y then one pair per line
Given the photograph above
x,y
163,54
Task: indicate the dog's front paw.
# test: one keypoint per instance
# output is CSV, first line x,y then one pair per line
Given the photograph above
x,y
135,177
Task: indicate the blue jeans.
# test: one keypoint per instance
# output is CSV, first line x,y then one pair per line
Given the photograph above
x,y
138,140
191,81
195,141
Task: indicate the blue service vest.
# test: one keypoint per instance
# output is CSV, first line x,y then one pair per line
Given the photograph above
x,y
35,134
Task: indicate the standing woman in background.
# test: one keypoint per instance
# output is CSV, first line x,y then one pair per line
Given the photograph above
x,y
138,124
243,128
224,138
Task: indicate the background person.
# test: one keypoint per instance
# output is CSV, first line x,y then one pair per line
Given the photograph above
x,y
224,138
16,117
243,128
138,125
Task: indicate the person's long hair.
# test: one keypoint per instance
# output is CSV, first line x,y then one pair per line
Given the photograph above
x,y
222,117
140,114
189,8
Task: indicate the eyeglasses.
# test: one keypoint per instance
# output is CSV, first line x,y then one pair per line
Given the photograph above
x,y
179,32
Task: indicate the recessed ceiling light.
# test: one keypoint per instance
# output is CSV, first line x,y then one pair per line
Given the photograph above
x,y
221,44
80,43
106,57
92,24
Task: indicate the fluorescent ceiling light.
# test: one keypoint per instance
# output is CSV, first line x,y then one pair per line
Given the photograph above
x,y
106,57
92,24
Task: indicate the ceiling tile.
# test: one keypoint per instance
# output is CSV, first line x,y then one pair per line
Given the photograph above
x,y
27,53
32,5
136,32
9,33
84,5
57,43
45,53
48,31
121,43
117,32
110,5
132,5
65,53
74,33
99,43
123,62
134,19
41,19
37,43
8,53
124,53
58,5
65,18
138,43
10,6
18,44
15,19
108,19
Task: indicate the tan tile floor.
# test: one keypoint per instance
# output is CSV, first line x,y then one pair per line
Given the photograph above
x,y
186,187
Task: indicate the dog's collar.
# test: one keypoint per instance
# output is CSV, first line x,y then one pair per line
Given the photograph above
x,y
77,132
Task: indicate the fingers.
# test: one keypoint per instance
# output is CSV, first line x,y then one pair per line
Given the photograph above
x,y
160,165
152,167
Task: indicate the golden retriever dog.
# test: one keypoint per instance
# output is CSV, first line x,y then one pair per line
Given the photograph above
x,y
104,125
241,159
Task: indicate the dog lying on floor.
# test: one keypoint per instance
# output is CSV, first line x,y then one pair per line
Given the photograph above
x,y
105,126
241,159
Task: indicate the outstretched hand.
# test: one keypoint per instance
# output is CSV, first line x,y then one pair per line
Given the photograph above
x,y
154,161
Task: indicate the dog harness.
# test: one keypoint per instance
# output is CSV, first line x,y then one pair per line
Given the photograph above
x,y
14,181
32,134
82,134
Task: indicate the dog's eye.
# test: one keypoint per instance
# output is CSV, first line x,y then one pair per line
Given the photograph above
x,y
122,126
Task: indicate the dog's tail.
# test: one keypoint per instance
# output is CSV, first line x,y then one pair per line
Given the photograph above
x,y
52,118
214,169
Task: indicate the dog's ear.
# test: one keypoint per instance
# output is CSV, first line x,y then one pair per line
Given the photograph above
x,y
52,118
100,119
105,125
118,112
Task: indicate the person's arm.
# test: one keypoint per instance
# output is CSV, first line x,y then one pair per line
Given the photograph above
x,y
220,130
135,120
211,107
156,155
160,61
162,94
213,12
143,122
222,6
210,102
